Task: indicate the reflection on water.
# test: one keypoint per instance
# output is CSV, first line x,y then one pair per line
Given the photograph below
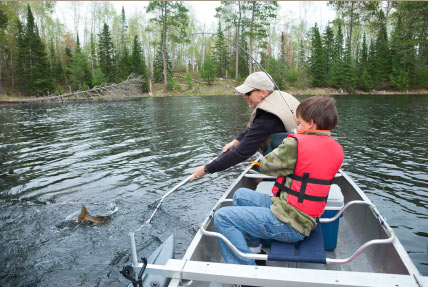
x,y
54,158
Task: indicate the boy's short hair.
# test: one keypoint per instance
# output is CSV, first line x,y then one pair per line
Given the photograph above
x,y
322,110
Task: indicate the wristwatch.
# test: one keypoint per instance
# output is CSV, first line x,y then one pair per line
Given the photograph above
x,y
205,169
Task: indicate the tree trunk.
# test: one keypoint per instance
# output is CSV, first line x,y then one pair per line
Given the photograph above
x,y
250,61
237,43
350,26
165,69
11,69
1,89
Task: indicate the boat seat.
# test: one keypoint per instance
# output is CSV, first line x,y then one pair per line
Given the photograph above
x,y
309,250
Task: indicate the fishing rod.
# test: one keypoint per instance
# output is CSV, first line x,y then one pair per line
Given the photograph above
x,y
159,201
254,60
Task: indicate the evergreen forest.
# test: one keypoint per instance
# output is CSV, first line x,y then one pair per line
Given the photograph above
x,y
368,46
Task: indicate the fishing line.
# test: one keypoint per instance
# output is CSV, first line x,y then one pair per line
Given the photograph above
x,y
254,60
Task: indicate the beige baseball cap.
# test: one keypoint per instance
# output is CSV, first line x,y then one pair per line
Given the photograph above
x,y
256,81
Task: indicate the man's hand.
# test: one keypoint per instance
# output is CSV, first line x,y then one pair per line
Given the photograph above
x,y
198,172
230,145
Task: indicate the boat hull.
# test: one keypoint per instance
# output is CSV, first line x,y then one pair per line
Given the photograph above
x,y
389,263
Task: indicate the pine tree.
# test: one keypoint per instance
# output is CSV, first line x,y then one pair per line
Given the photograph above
x,y
139,64
158,66
220,53
106,55
371,61
56,67
399,75
21,68
349,76
365,81
317,59
414,48
383,56
34,73
328,39
80,75
92,55
243,59
336,77
208,71
124,65
274,69
123,29
338,44
283,67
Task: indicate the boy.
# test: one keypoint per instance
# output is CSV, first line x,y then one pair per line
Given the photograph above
x,y
305,164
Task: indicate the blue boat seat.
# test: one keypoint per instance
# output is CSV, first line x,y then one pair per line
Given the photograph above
x,y
310,250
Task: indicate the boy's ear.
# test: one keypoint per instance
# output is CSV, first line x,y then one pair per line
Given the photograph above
x,y
312,125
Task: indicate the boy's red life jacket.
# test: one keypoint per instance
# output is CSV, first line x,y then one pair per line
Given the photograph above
x,y
319,158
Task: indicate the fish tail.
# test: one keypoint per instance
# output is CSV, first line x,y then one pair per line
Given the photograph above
x,y
83,214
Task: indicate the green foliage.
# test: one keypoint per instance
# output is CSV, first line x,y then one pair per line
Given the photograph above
x,y
243,60
336,74
382,56
275,70
80,75
374,57
170,83
125,65
173,19
189,82
158,66
34,76
338,42
365,81
208,71
421,76
99,77
292,76
349,73
138,64
260,16
220,53
328,40
317,59
106,54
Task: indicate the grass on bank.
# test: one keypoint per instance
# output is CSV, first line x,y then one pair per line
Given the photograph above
x,y
224,87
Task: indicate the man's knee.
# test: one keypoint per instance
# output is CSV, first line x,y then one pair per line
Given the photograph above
x,y
219,218
240,194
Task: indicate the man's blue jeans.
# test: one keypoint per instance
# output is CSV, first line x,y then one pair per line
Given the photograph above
x,y
248,221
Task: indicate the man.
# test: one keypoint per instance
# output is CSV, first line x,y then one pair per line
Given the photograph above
x,y
271,115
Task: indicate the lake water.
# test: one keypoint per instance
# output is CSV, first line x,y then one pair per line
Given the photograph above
x,y
125,155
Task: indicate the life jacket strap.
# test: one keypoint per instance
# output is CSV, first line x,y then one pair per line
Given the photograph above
x,y
310,179
301,195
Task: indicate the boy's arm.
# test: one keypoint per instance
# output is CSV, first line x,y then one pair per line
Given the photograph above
x,y
282,160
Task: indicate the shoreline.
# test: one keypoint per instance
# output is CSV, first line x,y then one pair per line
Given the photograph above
x,y
219,90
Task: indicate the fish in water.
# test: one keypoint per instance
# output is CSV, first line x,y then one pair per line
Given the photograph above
x,y
84,215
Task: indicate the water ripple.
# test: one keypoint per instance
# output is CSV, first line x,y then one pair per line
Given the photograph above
x,y
55,158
